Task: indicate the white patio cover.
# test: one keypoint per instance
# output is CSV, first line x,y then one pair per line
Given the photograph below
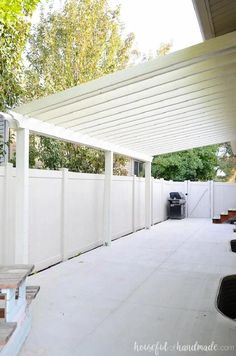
x,y
183,100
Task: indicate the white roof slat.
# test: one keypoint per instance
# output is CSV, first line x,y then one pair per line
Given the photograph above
x,y
185,98
161,138
200,115
213,102
196,124
160,83
173,61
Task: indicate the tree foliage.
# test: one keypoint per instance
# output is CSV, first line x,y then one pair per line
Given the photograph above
x,y
81,42
14,28
11,11
194,164
48,153
226,163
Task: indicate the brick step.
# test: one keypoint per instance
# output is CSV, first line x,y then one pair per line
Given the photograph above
x,y
2,306
225,217
216,220
232,213
6,331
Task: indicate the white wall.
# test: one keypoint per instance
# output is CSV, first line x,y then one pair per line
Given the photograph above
x,y
84,212
66,210
44,218
224,197
199,200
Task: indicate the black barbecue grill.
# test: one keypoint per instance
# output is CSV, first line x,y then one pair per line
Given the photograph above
x,y
177,205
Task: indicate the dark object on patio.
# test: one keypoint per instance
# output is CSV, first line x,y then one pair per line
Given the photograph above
x,y
233,245
177,204
226,300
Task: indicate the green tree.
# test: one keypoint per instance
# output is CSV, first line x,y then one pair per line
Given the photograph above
x,y
53,154
81,42
14,28
226,163
13,10
195,164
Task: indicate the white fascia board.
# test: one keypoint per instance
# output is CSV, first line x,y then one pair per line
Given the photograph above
x,y
46,129
204,17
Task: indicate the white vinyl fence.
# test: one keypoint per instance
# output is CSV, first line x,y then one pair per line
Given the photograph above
x,y
66,210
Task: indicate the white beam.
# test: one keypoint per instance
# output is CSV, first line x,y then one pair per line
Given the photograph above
x,y
148,200
107,198
49,130
22,196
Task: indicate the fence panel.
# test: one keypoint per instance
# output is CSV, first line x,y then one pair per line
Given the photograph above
x,y
66,210
224,197
158,206
84,218
122,206
139,203
44,218
199,200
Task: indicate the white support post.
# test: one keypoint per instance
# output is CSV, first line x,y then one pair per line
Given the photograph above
x,y
134,204
8,253
107,198
211,198
22,196
152,201
148,192
64,212
162,205
186,184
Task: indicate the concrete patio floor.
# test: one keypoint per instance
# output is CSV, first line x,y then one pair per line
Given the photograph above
x,y
149,287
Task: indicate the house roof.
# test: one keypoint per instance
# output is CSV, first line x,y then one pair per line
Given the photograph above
x,y
215,17
183,100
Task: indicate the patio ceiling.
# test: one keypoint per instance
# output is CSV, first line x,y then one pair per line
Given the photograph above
x,y
183,100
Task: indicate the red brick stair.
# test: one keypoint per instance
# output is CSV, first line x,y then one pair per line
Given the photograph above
x,y
225,217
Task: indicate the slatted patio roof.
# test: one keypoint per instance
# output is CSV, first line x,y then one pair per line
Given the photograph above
x,y
183,100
